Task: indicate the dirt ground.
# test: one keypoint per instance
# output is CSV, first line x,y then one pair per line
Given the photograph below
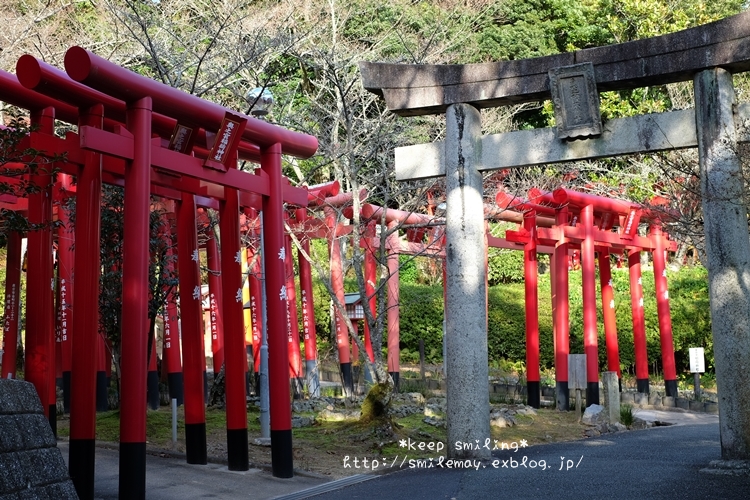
x,y
330,448
334,448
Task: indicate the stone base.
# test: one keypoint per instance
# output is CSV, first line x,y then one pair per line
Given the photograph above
x,y
728,468
710,407
695,405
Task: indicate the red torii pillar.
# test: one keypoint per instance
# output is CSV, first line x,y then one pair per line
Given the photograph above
x,y
103,374
337,283
295,358
529,221
40,335
316,195
608,312
278,369
65,262
308,312
256,303
152,376
371,278
662,307
235,357
531,291
590,332
12,309
639,323
215,302
192,334
561,313
560,300
171,352
132,482
392,303
86,321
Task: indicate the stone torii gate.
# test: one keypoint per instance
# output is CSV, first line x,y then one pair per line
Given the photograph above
x,y
707,55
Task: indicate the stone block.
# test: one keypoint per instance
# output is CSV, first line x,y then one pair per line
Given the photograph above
x,y
36,493
611,398
8,399
711,407
12,476
594,415
667,401
23,458
683,403
640,398
48,466
35,431
499,420
10,439
695,405
654,399
627,398
31,465
25,398
63,491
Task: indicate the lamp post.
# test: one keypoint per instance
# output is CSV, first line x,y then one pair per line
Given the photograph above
x,y
261,101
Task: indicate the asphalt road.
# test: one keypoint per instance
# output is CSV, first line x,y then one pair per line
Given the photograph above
x,y
170,478
656,463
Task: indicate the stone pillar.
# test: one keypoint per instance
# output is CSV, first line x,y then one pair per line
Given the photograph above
x,y
727,255
466,298
611,383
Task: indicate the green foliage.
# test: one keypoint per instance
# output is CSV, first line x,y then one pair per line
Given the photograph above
x,y
520,30
421,316
407,273
504,266
626,415
633,19
686,381
24,171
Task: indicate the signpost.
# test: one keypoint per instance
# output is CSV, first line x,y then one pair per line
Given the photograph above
x,y
697,366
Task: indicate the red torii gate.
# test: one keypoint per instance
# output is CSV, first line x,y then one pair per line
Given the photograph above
x,y
598,216
132,143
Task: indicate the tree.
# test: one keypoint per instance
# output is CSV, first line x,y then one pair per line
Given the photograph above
x,y
162,276
18,163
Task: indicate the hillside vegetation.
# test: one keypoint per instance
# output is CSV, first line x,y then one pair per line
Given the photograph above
x,y
421,317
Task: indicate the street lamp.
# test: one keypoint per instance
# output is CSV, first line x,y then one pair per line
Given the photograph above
x,y
261,101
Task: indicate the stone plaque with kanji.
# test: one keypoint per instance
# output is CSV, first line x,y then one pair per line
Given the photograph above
x,y
576,101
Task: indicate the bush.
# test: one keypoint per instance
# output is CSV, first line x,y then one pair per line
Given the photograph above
x,y
626,415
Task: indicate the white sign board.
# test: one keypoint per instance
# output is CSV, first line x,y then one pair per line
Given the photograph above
x,y
697,361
